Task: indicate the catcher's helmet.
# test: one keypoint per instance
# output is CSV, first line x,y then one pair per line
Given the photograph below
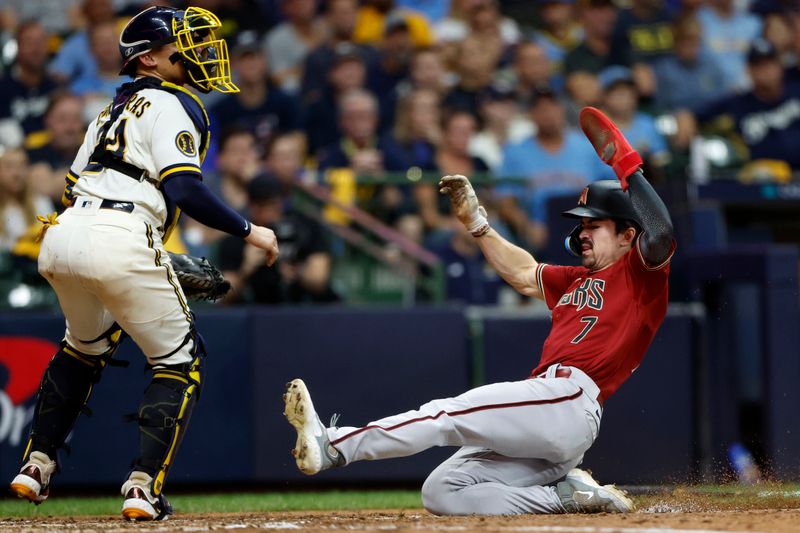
x,y
192,30
601,199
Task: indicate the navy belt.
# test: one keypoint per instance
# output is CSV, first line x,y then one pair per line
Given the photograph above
x,y
117,205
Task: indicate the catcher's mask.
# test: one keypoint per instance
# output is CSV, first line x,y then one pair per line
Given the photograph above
x,y
601,199
204,56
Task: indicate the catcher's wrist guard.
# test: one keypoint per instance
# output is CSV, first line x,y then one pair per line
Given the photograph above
x,y
199,279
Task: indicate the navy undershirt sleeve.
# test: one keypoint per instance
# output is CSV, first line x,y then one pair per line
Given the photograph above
x,y
197,201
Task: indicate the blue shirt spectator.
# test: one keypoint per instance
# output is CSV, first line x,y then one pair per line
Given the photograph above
x,y
434,10
683,84
74,58
548,173
727,33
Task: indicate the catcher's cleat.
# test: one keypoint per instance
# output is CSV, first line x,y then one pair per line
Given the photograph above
x,y
610,144
313,451
580,493
33,481
140,504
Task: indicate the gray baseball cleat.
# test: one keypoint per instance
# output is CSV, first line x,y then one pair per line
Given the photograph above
x,y
580,493
313,451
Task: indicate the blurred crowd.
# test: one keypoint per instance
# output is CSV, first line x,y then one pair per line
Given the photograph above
x,y
388,93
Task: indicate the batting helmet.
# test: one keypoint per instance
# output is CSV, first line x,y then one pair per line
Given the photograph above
x,y
601,199
193,32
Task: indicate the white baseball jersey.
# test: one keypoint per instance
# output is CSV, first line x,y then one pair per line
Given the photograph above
x,y
154,133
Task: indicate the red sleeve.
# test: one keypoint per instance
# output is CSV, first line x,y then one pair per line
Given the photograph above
x,y
654,277
555,280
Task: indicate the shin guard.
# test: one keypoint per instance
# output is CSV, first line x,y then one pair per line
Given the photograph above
x,y
164,416
63,393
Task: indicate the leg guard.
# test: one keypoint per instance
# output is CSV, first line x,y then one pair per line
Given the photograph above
x,y
164,416
63,393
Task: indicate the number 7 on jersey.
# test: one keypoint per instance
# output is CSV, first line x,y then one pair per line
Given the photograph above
x,y
590,321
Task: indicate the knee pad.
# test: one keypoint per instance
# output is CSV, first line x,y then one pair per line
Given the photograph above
x,y
63,394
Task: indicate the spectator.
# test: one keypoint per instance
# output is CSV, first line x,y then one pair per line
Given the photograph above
x,y
559,34
727,33
341,20
259,106
688,78
585,61
621,104
417,128
57,16
75,58
64,128
285,158
767,117
503,123
347,71
18,204
301,274
641,36
556,160
468,280
486,25
779,27
456,27
237,164
452,157
366,153
531,70
395,54
426,72
433,10
475,66
375,15
25,88
99,89
288,44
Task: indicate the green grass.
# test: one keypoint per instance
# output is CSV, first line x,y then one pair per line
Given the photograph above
x,y
225,503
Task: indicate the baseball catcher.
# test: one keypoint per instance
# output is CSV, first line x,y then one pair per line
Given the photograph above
x,y
136,172
520,442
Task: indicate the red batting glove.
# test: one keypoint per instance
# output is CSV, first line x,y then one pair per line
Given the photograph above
x,y
610,144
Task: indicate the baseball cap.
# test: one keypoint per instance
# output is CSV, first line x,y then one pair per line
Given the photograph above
x,y
246,42
394,21
263,186
760,50
610,76
541,92
346,51
496,92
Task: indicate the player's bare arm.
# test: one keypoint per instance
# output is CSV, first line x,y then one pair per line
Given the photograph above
x,y
516,266
264,238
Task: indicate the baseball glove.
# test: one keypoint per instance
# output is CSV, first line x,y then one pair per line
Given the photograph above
x,y
199,279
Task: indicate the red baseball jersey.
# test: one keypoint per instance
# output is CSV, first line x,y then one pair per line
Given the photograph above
x,y
603,321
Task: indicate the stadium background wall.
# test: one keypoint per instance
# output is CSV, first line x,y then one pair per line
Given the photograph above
x,y
366,363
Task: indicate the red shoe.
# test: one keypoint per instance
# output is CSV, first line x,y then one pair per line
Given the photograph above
x,y
610,144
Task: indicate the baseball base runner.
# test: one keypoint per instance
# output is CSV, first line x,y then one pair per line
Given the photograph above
x,y
521,441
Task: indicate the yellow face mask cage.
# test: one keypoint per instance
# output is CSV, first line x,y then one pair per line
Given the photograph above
x,y
209,64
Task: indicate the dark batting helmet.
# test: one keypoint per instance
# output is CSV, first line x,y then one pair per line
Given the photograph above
x,y
601,199
193,32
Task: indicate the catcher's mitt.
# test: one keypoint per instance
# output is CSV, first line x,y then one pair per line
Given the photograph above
x,y
199,279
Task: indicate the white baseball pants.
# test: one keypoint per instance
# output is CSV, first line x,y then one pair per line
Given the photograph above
x,y
110,266
516,437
